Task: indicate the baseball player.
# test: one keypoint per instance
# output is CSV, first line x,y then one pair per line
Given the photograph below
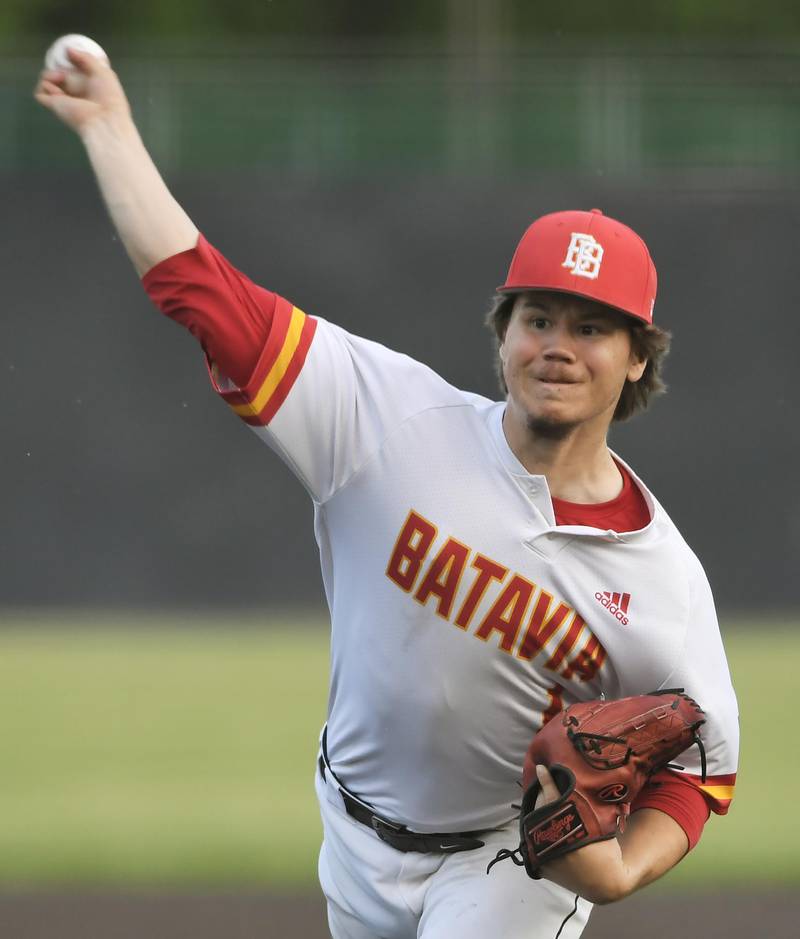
x,y
486,563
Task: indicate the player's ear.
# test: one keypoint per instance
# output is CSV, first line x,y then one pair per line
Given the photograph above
x,y
502,338
637,359
636,367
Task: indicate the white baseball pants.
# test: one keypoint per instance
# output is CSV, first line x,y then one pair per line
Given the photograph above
x,y
376,892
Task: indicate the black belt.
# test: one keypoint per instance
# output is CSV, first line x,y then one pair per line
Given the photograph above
x,y
393,833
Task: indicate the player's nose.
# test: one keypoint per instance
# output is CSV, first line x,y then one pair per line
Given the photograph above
x,y
559,354
558,344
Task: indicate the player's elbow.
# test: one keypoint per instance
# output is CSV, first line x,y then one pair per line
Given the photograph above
x,y
603,897
611,888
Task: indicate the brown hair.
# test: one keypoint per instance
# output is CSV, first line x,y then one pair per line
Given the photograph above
x,y
648,342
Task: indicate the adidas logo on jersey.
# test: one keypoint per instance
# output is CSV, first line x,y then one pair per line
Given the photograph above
x,y
616,604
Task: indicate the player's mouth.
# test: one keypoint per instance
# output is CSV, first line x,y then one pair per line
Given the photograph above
x,y
556,382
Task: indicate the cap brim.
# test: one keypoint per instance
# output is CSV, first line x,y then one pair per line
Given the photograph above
x,y
572,293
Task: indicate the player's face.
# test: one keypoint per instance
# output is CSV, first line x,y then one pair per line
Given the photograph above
x,y
565,361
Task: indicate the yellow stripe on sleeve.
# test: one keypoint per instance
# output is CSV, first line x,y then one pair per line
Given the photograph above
x,y
279,367
722,793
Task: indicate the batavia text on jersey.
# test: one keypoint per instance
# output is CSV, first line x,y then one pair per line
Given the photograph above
x,y
572,651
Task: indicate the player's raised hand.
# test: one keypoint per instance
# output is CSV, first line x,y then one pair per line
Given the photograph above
x,y
90,93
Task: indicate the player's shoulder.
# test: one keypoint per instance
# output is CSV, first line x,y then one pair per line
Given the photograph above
x,y
385,371
669,538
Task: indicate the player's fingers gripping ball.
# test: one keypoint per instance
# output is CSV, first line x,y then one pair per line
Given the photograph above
x,y
57,60
600,754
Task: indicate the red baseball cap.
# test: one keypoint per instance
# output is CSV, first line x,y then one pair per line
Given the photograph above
x,y
587,254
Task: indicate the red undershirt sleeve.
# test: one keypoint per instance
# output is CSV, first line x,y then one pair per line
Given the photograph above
x,y
679,799
228,314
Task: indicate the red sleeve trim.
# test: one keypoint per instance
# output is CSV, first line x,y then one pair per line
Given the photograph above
x,y
717,790
680,799
280,363
255,339
245,394
291,373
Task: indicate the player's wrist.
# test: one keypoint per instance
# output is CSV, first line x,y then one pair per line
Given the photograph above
x,y
109,129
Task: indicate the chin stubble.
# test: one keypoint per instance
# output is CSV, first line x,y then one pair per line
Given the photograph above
x,y
546,429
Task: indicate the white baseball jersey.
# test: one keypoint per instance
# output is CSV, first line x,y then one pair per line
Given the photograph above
x,y
462,616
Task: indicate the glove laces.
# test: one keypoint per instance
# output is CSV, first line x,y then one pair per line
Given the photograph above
x,y
504,855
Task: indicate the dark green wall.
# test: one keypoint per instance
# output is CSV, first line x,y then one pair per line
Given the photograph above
x,y
125,482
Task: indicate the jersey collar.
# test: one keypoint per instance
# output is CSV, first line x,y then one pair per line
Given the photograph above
x,y
544,503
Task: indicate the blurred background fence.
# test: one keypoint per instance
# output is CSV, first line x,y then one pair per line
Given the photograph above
x,y
348,109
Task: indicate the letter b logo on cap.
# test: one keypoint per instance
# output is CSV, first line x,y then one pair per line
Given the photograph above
x,y
584,256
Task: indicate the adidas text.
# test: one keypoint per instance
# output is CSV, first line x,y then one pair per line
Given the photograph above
x,y
606,601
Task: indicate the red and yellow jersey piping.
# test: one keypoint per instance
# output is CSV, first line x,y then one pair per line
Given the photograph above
x,y
277,369
718,790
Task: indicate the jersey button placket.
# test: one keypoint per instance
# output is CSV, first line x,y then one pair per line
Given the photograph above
x,y
547,544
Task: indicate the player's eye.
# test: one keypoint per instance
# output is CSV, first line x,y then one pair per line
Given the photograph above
x,y
589,329
539,322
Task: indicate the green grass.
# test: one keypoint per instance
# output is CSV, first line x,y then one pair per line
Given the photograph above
x,y
754,844
169,755
154,753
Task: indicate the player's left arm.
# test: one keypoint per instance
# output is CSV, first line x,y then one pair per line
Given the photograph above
x,y
606,871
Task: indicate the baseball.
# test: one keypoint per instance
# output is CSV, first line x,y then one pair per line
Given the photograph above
x,y
56,59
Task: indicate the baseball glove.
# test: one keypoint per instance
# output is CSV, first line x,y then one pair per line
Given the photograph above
x,y
600,754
